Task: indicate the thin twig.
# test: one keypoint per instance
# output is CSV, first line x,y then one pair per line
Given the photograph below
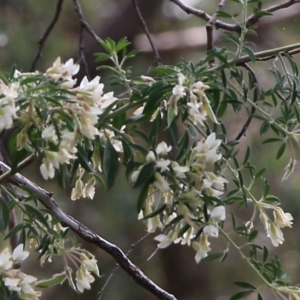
x,y
255,99
116,268
157,58
43,39
83,22
209,30
82,58
89,236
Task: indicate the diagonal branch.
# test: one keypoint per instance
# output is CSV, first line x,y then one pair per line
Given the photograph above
x,y
43,39
83,22
157,57
88,235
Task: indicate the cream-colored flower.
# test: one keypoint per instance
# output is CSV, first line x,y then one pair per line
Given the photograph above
x,y
282,219
218,214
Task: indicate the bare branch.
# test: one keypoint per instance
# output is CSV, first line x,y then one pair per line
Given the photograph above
x,y
82,58
210,28
43,39
83,22
157,57
255,18
89,236
203,15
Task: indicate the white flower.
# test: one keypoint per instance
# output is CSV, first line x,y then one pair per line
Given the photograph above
x,y
107,99
5,260
164,241
199,87
181,78
12,283
178,91
218,214
211,230
202,247
163,148
19,254
148,79
47,169
161,183
83,279
92,85
90,263
275,234
282,219
134,175
69,68
150,156
163,164
289,169
49,133
179,170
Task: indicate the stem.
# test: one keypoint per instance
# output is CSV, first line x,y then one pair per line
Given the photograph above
x,y
244,257
244,29
258,55
27,161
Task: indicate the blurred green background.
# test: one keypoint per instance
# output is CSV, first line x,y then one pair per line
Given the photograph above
x,y
112,214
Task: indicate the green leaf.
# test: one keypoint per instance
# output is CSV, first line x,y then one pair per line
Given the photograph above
x,y
99,180
212,257
146,173
56,279
4,215
272,140
250,53
36,214
265,254
14,231
83,159
245,285
110,163
155,212
247,155
142,197
223,14
102,57
241,295
280,151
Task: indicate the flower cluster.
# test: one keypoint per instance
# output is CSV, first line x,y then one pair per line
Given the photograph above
x,y
84,262
196,101
273,228
181,190
13,278
55,116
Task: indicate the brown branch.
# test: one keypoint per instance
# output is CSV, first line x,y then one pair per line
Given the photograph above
x,y
89,236
157,58
82,58
101,293
255,18
209,30
203,15
83,22
43,39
